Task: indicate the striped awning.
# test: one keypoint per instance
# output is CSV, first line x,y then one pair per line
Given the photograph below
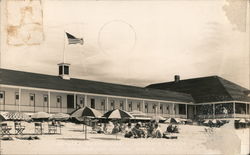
x,y
117,114
14,116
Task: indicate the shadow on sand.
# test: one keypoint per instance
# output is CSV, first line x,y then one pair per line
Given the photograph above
x,y
81,139
104,138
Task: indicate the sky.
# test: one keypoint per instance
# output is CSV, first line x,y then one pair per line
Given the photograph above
x,y
128,42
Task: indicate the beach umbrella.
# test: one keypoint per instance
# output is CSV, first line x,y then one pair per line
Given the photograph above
x,y
172,120
40,116
117,114
86,112
14,116
83,114
207,121
136,113
214,121
158,118
242,121
59,117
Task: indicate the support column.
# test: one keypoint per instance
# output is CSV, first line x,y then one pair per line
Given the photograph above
x,y
234,109
186,112
159,108
19,99
74,100
107,104
85,100
49,102
126,105
143,106
214,111
246,109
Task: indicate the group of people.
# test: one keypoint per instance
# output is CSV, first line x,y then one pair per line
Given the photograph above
x,y
139,130
150,129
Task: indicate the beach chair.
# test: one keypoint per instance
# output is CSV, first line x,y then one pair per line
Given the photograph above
x,y
19,128
5,129
38,128
52,128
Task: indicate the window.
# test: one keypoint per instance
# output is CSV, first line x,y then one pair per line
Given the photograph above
x,y
60,70
240,108
45,100
182,109
66,70
92,102
112,104
167,107
103,104
146,107
59,101
121,105
161,108
130,106
32,99
138,106
82,102
16,98
2,97
154,108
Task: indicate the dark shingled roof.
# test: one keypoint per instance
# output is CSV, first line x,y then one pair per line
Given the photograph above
x,y
27,79
207,89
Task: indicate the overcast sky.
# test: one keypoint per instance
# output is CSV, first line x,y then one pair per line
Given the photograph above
x,y
138,43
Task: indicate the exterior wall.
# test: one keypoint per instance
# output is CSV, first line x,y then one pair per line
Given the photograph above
x,y
52,107
229,113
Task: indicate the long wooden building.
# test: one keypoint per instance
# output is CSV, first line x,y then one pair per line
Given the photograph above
x,y
198,98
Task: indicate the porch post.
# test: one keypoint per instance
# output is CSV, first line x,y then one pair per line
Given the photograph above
x,y
246,109
107,104
19,100
234,109
85,100
143,106
126,104
186,112
213,110
74,100
49,102
159,108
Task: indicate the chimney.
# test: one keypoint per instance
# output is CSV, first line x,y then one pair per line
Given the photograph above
x,y
64,71
176,78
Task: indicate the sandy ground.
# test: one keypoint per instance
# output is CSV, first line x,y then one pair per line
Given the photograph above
x,y
191,140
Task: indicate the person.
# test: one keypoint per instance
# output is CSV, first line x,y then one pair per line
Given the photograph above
x,y
175,129
150,129
128,131
137,132
99,129
115,129
156,132
170,128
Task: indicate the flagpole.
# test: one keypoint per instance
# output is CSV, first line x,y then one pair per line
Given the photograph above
x,y
64,46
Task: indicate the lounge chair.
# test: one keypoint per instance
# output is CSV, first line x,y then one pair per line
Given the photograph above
x,y
19,128
38,128
5,129
52,128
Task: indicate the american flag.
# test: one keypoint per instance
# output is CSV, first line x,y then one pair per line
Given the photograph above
x,y
73,40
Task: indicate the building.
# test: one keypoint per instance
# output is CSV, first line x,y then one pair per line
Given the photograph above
x,y
32,92
198,98
214,97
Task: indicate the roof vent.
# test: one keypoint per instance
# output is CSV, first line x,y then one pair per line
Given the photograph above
x,y
176,78
64,71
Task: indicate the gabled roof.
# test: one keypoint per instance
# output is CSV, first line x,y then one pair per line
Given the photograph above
x,y
27,79
206,89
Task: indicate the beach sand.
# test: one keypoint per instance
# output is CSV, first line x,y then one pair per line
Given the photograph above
x,y
192,139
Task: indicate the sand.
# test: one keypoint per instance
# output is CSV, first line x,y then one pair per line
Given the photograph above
x,y
192,139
